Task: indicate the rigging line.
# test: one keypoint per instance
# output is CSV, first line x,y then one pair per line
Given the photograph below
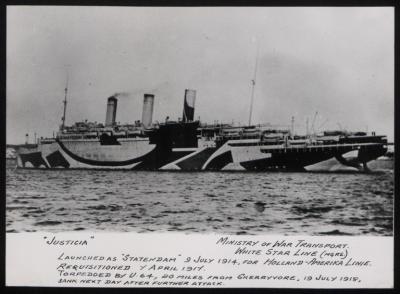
x,y
318,129
312,126
253,83
65,102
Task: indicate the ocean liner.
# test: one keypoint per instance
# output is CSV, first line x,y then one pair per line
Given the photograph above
x,y
188,145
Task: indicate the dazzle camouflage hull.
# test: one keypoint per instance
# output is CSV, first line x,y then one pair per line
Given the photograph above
x,y
188,145
164,151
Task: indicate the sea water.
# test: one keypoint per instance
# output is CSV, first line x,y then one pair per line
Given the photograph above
x,y
303,203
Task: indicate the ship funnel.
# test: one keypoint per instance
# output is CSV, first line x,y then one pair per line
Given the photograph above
x,y
147,114
111,111
188,105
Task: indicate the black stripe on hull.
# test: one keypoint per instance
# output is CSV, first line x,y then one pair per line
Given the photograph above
x,y
365,154
220,161
196,162
368,153
297,159
289,161
56,159
160,158
35,158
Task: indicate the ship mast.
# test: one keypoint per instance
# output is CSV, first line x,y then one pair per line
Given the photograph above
x,y
65,105
253,83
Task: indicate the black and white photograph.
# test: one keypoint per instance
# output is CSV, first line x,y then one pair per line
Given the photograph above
x,y
231,121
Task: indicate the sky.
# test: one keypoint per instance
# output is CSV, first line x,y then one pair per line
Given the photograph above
x,y
330,66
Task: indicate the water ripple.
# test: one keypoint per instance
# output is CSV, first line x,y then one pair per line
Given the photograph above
x,y
225,203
